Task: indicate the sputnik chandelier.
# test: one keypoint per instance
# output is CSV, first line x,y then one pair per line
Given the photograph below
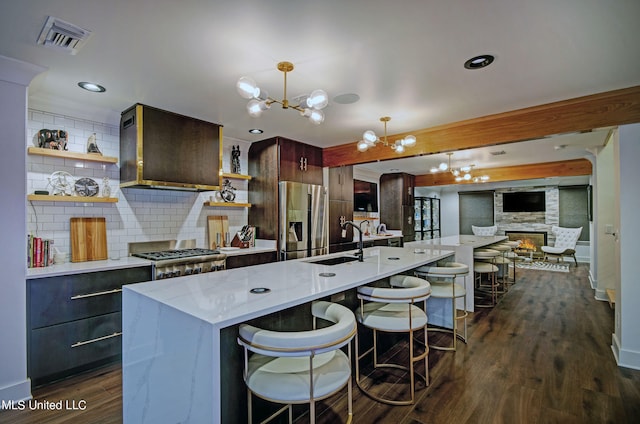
x,y
309,106
369,139
461,174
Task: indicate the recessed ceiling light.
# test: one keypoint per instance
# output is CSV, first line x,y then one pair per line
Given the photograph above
x,y
346,98
256,131
479,61
90,86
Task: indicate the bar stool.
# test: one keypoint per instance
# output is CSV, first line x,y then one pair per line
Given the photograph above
x,y
508,252
394,310
445,287
483,264
301,366
502,262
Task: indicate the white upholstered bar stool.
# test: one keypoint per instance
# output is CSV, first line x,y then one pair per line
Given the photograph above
x,y
298,367
394,310
443,286
483,264
502,261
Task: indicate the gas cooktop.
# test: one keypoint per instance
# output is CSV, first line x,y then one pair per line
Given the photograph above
x,y
176,254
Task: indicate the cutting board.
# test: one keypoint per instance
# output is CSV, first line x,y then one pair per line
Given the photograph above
x,y
88,239
217,225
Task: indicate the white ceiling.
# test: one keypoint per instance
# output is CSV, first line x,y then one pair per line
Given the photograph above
x,y
403,59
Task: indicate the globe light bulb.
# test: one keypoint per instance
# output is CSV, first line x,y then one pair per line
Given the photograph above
x,y
363,146
370,136
318,99
247,88
409,141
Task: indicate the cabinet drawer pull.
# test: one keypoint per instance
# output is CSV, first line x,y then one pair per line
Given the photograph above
x,y
82,296
86,342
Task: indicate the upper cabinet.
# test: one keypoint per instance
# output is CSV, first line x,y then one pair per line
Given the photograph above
x,y
341,183
300,162
165,149
397,203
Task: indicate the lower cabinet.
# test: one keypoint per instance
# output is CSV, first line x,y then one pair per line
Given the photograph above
x,y
74,322
238,261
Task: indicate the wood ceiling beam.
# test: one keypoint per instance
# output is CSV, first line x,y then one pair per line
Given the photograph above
x,y
569,168
607,109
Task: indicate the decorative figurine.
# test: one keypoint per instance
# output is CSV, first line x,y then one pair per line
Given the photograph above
x,y
52,139
106,189
235,159
61,183
228,192
92,145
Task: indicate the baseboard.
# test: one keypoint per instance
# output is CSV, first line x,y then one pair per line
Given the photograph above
x,y
592,281
16,392
601,295
624,358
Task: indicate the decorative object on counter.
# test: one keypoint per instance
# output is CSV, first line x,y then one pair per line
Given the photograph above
x,y
52,139
40,252
228,192
92,145
310,106
88,239
106,188
61,183
235,159
382,229
86,187
369,139
244,238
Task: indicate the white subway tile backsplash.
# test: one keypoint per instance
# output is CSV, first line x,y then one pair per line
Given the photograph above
x,y
139,215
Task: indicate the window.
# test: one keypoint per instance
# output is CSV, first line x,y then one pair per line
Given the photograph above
x,y
476,208
574,208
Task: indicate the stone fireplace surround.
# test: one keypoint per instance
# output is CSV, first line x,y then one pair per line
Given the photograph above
x,y
523,222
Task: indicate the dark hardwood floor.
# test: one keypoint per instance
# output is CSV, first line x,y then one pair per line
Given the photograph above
x,y
542,355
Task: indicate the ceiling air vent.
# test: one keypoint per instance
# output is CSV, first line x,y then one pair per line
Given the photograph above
x,y
63,35
498,153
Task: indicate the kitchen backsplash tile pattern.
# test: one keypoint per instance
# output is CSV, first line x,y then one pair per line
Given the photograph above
x,y
139,215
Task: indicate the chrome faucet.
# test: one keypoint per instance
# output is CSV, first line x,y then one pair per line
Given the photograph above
x,y
360,253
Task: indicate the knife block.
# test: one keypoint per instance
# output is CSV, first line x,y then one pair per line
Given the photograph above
x,y
236,242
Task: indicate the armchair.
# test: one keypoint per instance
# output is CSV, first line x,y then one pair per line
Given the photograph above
x,y
565,245
484,231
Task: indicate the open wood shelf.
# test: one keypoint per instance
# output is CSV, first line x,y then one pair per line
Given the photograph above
x,y
64,154
236,176
228,204
79,199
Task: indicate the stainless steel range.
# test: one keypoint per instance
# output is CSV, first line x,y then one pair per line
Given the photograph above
x,y
168,263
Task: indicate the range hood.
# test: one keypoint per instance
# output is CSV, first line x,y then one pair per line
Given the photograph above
x,y
165,150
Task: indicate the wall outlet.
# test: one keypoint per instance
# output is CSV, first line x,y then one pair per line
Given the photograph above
x,y
608,229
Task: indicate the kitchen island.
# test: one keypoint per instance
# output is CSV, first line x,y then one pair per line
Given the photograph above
x,y
176,339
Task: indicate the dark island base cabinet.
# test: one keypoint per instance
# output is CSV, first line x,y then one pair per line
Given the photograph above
x,y
238,261
74,322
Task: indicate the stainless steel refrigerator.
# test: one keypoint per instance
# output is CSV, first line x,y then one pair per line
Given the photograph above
x,y
303,220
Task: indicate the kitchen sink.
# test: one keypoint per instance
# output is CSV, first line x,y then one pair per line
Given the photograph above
x,y
334,261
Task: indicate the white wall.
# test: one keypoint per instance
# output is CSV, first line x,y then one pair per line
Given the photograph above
x,y
139,214
15,76
605,212
626,339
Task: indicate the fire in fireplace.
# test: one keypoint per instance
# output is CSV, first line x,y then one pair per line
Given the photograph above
x,y
530,241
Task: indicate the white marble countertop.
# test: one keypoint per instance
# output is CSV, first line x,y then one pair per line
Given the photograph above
x,y
457,240
70,268
223,298
387,235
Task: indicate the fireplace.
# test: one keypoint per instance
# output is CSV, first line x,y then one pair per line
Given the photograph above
x,y
531,242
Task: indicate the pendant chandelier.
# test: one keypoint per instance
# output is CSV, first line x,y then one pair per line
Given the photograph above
x,y
461,174
369,139
309,106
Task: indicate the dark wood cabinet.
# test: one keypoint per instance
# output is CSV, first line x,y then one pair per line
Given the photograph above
x,y
397,203
340,205
239,261
74,321
300,162
271,161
